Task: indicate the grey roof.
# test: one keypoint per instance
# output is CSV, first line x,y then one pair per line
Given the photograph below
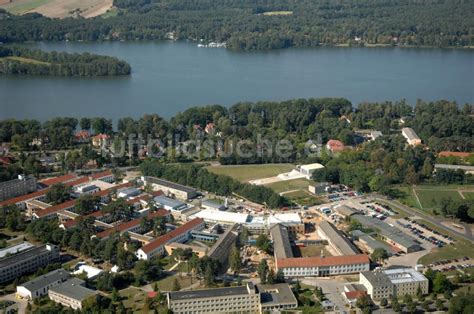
x,y
345,210
166,201
15,249
74,289
47,279
375,244
281,241
23,255
410,134
454,167
277,294
210,293
377,278
337,239
387,231
213,204
171,185
221,249
15,181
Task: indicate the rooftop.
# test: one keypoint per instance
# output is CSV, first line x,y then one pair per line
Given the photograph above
x,y
403,275
322,261
219,216
44,280
15,249
23,255
153,245
377,278
168,202
312,166
337,239
60,179
170,184
23,198
345,210
210,293
410,134
74,289
276,294
281,242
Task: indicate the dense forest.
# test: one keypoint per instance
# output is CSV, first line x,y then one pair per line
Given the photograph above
x,y
23,61
262,24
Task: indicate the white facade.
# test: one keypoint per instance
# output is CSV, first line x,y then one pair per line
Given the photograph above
x,y
323,271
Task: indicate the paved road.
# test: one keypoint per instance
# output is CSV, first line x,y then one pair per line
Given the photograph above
x,y
21,304
434,220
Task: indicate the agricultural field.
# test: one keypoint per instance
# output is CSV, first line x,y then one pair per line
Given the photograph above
x,y
58,8
245,173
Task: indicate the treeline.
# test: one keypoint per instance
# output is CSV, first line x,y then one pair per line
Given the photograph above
x,y
244,26
199,177
23,61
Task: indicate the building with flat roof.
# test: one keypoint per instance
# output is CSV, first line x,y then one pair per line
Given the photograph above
x,y
71,293
211,204
15,249
393,282
369,244
390,234
244,299
336,240
171,188
318,187
16,187
128,192
212,216
411,137
39,286
171,204
308,170
322,266
27,261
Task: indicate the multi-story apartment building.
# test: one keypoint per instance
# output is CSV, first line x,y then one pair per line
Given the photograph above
x,y
243,299
323,266
170,188
16,187
71,293
27,261
39,286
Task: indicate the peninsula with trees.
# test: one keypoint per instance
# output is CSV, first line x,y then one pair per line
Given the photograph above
x,y
24,61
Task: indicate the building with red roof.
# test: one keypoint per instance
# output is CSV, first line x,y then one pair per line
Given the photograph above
x,y
335,146
454,154
61,179
53,210
20,201
180,235
106,176
132,225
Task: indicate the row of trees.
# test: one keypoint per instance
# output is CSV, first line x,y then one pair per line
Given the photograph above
x,y
199,177
244,26
23,61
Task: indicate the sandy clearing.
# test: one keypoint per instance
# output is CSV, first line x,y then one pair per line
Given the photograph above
x,y
67,8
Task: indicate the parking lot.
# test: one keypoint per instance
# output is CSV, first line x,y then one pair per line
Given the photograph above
x,y
424,232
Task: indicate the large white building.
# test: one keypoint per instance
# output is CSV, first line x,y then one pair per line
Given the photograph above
x,y
411,137
393,282
39,286
322,266
308,170
27,261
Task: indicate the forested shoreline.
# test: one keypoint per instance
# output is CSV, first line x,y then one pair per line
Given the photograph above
x,y
257,25
23,61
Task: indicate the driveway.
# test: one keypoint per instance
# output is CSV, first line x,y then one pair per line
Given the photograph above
x,y
21,304
332,290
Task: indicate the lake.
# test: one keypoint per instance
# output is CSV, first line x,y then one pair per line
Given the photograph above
x,y
169,77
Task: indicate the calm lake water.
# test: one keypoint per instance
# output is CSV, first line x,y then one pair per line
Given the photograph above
x,y
171,76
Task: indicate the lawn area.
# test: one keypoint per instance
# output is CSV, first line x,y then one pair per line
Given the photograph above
x,y
244,173
460,249
166,284
134,299
313,250
407,197
289,185
432,198
303,198
23,6
468,195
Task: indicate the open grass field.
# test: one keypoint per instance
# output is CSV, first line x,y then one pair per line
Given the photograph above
x,y
303,198
460,249
313,250
429,197
58,8
289,185
245,173
25,60
166,284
